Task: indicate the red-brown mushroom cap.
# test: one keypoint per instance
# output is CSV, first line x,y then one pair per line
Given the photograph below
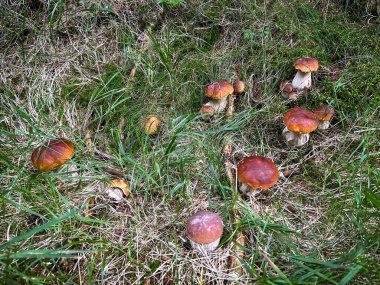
x,y
286,86
306,64
52,154
204,227
238,87
324,112
219,90
207,110
299,120
258,172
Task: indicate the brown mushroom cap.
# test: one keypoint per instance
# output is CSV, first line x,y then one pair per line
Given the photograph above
x,y
306,64
207,110
324,112
238,87
52,154
286,86
151,125
121,184
219,90
258,172
204,227
299,120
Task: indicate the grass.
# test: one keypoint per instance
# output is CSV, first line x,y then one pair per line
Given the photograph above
x,y
65,68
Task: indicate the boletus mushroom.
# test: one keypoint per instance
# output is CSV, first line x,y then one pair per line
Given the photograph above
x,y
218,92
299,123
324,114
255,173
117,189
152,125
238,87
52,154
304,66
204,230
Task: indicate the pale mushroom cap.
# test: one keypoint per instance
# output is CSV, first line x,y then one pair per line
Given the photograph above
x,y
286,86
219,90
121,184
299,120
151,125
306,64
258,172
324,112
204,227
238,87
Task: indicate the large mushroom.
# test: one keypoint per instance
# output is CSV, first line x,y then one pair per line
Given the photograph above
x,y
52,154
204,230
299,123
256,172
324,114
305,66
218,92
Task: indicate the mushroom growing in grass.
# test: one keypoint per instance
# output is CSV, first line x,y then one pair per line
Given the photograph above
x,y
52,154
305,66
256,172
238,87
324,114
207,112
286,88
218,92
151,125
118,188
299,123
204,230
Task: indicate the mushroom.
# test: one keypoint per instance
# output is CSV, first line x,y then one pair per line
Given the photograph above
x,y
256,172
324,114
286,88
238,87
117,189
52,154
151,125
218,92
207,111
204,230
299,123
305,66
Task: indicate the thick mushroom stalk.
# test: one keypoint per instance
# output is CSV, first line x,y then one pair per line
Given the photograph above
x,y
204,230
256,173
324,114
218,92
305,66
298,124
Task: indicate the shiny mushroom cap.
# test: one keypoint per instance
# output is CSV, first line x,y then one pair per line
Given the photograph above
x,y
286,86
52,154
204,227
299,120
238,87
258,172
219,90
151,125
324,112
306,64
121,184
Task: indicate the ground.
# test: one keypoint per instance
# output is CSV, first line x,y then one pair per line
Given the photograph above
x,y
93,71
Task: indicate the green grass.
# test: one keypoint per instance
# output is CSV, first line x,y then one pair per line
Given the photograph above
x,y
66,67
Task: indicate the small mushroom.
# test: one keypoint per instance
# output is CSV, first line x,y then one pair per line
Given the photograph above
x,y
324,114
299,123
218,92
286,88
207,111
151,125
305,66
256,172
118,188
238,87
204,230
52,154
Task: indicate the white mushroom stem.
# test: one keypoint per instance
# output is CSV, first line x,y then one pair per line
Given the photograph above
x,y
295,139
302,80
218,105
248,191
207,247
114,193
323,125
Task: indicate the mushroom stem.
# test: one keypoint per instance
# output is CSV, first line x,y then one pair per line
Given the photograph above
x,y
295,139
248,191
323,125
219,105
302,80
207,247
